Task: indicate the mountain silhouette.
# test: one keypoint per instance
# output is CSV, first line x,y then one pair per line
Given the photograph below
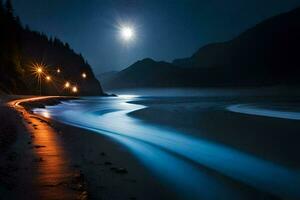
x,y
266,54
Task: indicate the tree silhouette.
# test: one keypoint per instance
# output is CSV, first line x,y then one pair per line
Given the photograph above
x,y
20,47
9,8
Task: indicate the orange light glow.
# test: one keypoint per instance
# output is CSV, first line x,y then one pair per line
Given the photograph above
x,y
55,169
48,78
67,85
38,69
83,75
58,70
74,89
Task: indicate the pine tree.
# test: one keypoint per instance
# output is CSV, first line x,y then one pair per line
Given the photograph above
x,y
9,8
1,8
1,14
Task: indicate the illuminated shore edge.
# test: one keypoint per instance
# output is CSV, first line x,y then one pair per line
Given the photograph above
x,y
160,149
258,111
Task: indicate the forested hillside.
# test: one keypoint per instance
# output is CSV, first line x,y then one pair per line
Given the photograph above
x,y
22,51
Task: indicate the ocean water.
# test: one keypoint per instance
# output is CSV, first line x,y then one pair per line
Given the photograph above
x,y
182,160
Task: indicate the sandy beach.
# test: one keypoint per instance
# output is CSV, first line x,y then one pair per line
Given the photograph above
x,y
149,100
68,163
45,158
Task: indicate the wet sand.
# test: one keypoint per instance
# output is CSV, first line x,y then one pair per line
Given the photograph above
x,y
195,165
93,166
56,161
110,170
39,149
14,153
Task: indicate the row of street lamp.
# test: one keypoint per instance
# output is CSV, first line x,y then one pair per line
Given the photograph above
x,y
39,70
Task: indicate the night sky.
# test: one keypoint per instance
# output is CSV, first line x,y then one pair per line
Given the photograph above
x,y
165,29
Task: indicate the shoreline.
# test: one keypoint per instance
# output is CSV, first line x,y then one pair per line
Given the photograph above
x,y
108,170
98,165
47,101
50,174
269,138
225,133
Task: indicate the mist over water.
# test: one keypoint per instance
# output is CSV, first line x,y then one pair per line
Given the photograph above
x,y
209,92
193,167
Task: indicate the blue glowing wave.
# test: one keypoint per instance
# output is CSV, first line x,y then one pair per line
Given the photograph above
x,y
162,150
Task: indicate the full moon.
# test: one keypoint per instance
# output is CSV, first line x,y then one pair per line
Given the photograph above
x,y
127,33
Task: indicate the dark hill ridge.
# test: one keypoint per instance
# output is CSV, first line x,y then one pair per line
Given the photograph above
x,y
106,75
266,54
159,74
271,44
145,73
36,47
21,47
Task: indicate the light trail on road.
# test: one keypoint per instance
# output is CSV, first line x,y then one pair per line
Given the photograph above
x,y
53,171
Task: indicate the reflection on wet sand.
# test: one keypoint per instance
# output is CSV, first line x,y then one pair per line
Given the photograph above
x,y
161,148
54,178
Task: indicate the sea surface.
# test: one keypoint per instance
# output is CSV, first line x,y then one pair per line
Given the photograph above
x,y
192,166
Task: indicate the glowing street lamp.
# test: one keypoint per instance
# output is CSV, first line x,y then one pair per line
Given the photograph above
x,y
74,89
48,78
39,70
58,70
67,84
38,73
83,75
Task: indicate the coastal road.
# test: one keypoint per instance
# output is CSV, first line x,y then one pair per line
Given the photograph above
x,y
54,178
